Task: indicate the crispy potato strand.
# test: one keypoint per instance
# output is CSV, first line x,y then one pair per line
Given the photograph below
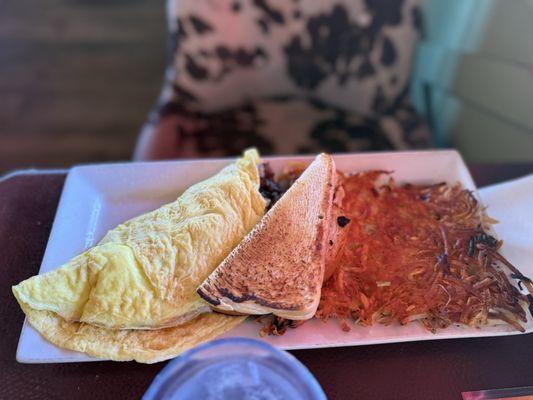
x,y
419,253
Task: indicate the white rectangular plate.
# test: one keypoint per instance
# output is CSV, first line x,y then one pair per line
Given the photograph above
x,y
96,198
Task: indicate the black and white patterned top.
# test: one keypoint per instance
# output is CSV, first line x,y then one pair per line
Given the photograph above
x,y
289,76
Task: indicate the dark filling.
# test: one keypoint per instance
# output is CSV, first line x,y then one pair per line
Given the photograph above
x,y
268,187
277,326
273,187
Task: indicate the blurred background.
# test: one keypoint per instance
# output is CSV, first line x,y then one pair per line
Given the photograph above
x,y
474,72
79,77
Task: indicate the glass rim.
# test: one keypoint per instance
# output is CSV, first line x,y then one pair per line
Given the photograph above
x,y
300,370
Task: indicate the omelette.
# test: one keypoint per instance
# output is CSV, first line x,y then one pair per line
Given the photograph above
x,y
144,273
145,346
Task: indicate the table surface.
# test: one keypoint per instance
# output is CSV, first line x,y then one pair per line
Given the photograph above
x,y
419,370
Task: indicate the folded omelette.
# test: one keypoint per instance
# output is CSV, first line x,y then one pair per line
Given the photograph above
x,y
145,346
144,273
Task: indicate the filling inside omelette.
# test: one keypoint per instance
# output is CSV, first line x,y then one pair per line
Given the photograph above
x,y
144,273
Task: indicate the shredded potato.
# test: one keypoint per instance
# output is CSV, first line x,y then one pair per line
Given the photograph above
x,y
419,253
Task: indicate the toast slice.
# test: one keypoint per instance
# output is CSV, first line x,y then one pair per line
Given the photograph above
x,y
279,266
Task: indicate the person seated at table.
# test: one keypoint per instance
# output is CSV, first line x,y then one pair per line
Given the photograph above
x,y
298,76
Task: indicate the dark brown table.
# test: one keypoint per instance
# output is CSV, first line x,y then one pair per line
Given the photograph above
x,y
421,370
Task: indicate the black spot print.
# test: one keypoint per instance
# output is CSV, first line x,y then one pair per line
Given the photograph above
x,y
343,78
317,103
223,52
181,33
195,70
335,42
263,24
380,102
246,58
231,59
200,26
366,69
418,21
183,94
176,38
385,12
236,7
240,56
331,44
303,68
269,11
335,135
388,52
227,131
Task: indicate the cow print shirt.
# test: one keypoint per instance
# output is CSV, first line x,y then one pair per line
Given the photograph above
x,y
289,76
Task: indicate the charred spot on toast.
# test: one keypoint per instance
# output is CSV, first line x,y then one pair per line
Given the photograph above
x,y
253,298
207,298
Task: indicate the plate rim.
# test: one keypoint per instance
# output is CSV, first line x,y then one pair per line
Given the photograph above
x,y
78,170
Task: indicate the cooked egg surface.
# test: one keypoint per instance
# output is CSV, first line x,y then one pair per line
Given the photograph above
x,y
144,273
145,346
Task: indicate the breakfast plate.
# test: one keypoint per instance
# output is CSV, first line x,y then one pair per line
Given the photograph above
x,y
97,198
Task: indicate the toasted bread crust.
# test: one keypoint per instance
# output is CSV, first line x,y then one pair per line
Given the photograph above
x,y
279,266
337,234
